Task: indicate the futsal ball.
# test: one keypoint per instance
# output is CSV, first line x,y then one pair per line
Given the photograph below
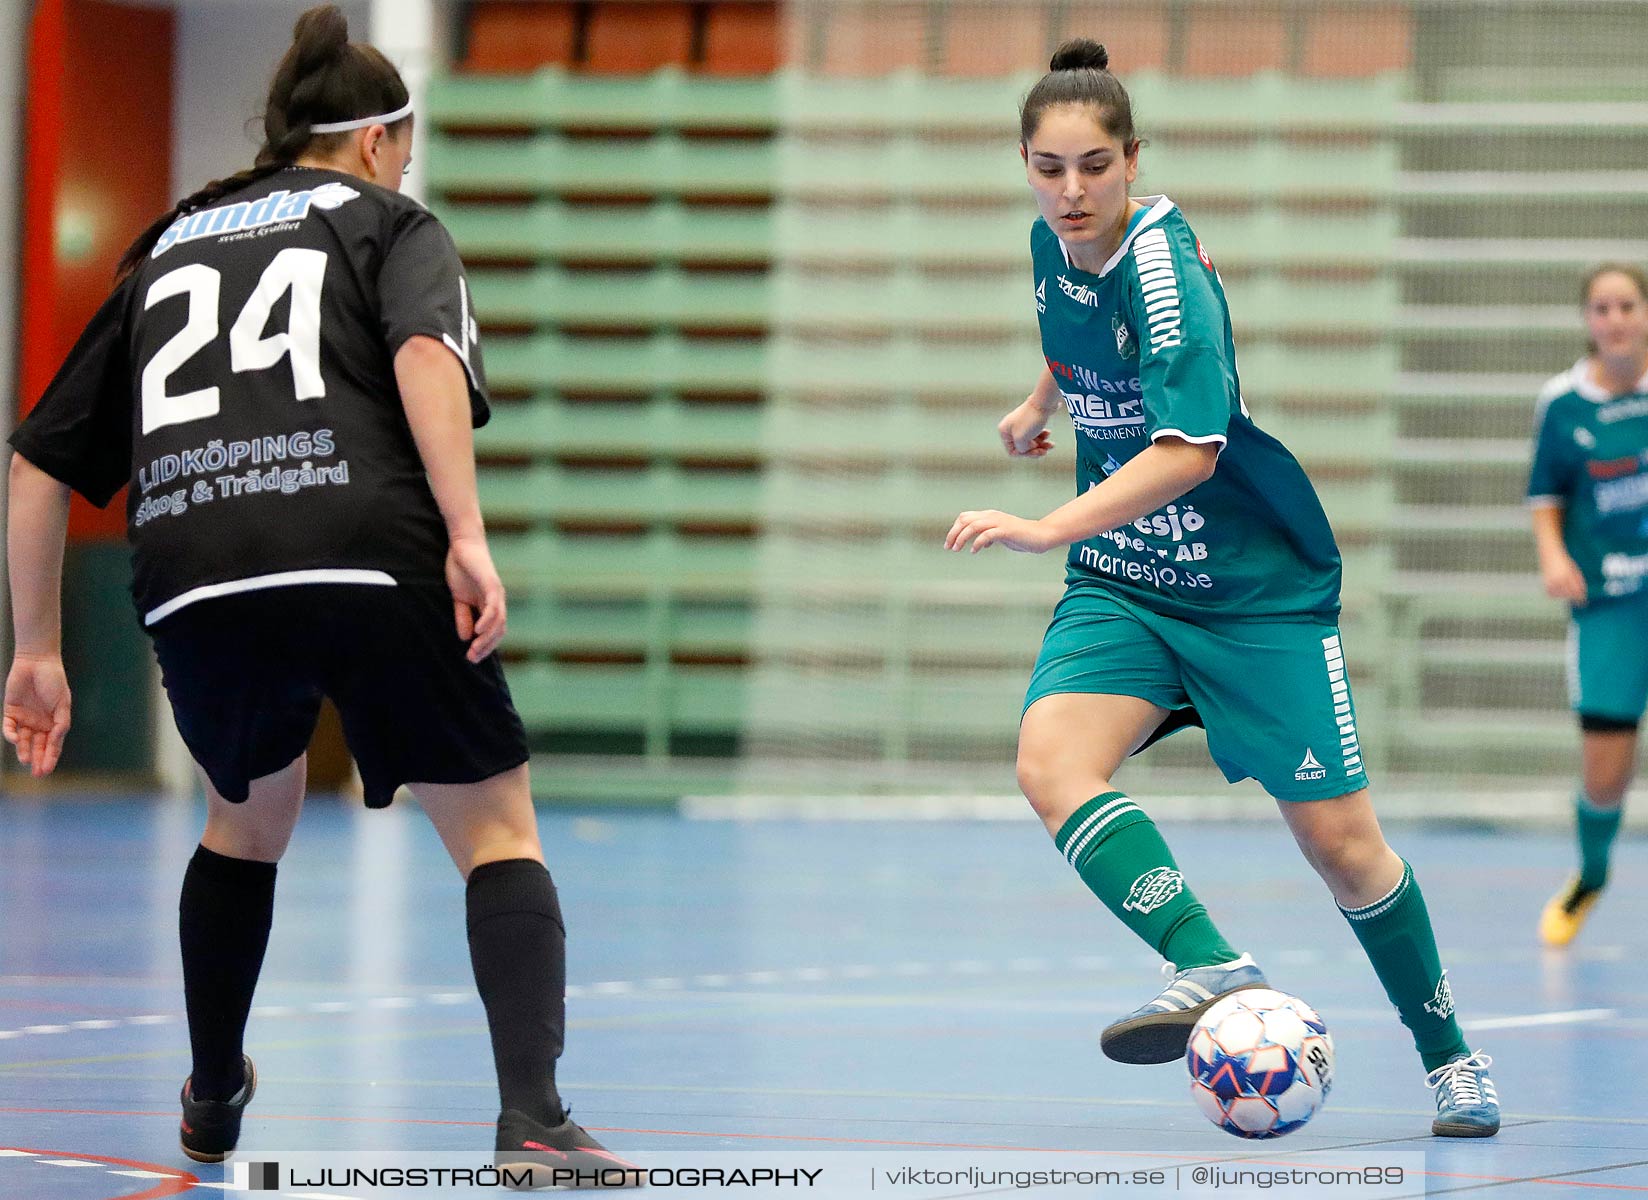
x,y
1261,1063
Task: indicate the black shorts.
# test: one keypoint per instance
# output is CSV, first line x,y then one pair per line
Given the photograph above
x,y
245,675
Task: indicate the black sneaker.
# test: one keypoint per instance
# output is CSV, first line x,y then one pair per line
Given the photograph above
x,y
564,1155
211,1128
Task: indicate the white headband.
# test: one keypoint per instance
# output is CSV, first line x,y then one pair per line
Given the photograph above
x,y
389,118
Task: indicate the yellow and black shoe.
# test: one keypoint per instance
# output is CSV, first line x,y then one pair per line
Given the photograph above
x,y
1566,912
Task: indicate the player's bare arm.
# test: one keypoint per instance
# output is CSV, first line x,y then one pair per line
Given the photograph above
x,y
1558,571
436,398
1157,475
37,691
1024,430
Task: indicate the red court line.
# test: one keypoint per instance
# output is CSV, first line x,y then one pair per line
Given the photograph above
x,y
182,1181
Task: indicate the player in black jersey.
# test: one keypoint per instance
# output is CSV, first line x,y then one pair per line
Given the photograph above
x,y
285,378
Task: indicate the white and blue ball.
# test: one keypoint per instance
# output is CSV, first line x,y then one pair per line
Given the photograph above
x,y
1261,1063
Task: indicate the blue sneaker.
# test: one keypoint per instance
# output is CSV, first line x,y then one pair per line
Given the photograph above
x,y
1466,1103
1160,1031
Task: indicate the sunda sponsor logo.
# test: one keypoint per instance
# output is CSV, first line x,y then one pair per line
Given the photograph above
x,y
1079,292
276,208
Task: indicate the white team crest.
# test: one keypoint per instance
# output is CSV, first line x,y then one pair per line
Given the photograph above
x,y
1310,768
1441,1004
1153,889
1124,337
332,195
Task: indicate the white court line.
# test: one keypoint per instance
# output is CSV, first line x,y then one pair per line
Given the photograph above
x,y
1573,1017
18,1154
719,983
146,1174
68,1162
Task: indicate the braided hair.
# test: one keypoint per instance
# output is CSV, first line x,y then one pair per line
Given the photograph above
x,y
323,77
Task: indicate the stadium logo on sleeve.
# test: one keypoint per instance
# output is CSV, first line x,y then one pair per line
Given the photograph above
x,y
277,208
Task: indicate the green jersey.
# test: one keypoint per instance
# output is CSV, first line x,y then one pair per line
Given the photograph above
x,y
1143,350
1591,458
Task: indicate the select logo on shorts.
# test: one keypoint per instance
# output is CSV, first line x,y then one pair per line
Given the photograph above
x,y
1440,1005
1310,768
276,207
256,1177
1153,889
1041,295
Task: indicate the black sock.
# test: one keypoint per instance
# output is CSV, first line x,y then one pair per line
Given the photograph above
x,y
224,915
517,945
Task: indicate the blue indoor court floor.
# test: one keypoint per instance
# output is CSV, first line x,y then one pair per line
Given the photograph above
x,y
787,986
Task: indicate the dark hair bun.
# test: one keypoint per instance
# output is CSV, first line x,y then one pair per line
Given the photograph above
x,y
318,38
1080,54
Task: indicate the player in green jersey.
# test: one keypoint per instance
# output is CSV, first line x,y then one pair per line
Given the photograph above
x,y
1203,588
1588,491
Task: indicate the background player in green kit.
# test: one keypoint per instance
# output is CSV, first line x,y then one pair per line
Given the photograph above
x,y
1203,588
1588,489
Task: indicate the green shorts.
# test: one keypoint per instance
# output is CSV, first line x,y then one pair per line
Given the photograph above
x,y
1608,659
1272,695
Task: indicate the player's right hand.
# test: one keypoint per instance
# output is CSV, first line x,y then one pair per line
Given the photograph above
x,y
477,596
37,710
1563,580
1024,431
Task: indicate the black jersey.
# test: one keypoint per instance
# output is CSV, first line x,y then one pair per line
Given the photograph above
x,y
241,380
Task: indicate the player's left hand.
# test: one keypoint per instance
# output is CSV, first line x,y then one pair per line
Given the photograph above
x,y
37,711
477,596
992,528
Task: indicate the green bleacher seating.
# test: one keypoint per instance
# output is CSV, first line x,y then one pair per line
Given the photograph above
x,y
662,297
662,426
625,467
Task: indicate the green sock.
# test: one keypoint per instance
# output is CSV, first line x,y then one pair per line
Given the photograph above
x,y
1123,860
1396,933
1597,827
